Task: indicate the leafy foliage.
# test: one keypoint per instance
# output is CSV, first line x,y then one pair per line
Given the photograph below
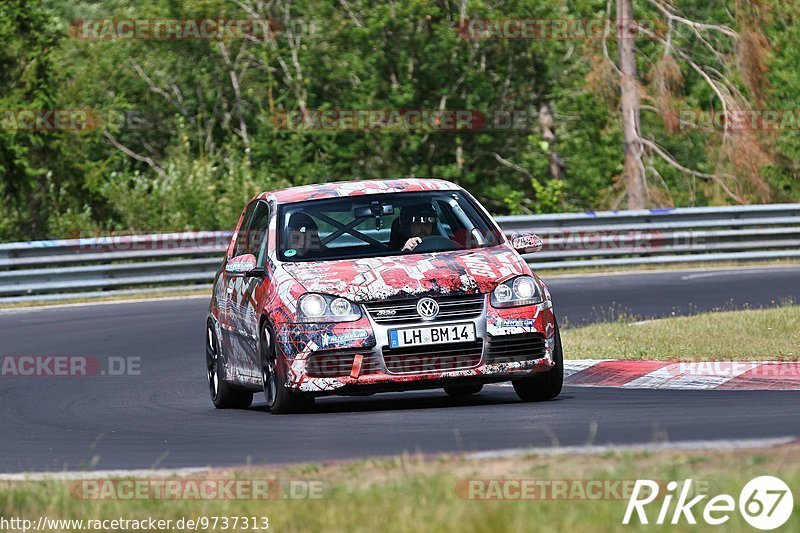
x,y
191,129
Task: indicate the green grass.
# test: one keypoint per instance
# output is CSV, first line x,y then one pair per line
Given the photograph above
x,y
156,295
757,334
411,493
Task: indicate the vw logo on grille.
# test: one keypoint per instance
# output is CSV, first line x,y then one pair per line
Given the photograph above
x,y
427,308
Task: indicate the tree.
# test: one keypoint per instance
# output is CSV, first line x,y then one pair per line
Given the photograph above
x,y
630,106
29,81
604,122
729,63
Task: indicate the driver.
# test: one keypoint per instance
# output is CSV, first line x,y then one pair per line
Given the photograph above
x,y
303,235
419,221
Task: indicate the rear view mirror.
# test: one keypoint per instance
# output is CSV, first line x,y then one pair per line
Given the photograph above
x,y
240,265
526,243
375,209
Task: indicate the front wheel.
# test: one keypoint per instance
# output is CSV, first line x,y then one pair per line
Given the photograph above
x,y
545,385
274,369
223,394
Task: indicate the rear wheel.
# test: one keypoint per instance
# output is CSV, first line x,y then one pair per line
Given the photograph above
x,y
460,391
545,385
274,369
224,395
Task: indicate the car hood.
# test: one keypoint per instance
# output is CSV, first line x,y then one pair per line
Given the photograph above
x,y
412,275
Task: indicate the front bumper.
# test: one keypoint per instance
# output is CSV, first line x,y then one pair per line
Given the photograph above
x,y
355,358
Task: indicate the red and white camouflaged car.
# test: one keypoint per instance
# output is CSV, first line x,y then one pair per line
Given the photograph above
x,y
359,287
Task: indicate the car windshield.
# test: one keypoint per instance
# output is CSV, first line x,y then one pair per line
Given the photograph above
x,y
381,225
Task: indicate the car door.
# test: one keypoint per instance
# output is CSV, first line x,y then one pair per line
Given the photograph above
x,y
240,291
226,286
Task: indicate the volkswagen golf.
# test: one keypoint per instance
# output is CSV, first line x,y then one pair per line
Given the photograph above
x,y
359,287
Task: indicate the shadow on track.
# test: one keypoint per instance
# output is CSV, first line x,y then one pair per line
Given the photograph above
x,y
404,402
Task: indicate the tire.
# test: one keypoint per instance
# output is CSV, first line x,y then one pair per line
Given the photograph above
x,y
224,395
460,391
546,385
274,368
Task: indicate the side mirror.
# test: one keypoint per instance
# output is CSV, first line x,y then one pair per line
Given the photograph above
x,y
526,243
241,265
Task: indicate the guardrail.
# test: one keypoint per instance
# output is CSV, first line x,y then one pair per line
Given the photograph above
x,y
98,266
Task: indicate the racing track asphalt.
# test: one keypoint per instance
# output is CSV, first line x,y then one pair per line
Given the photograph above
x,y
164,418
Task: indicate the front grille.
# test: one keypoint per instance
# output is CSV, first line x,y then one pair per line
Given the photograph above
x,y
436,358
515,348
339,363
450,308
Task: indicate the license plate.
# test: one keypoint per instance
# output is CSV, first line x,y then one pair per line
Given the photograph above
x,y
431,335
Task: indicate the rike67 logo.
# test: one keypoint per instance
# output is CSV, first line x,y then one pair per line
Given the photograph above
x,y
765,503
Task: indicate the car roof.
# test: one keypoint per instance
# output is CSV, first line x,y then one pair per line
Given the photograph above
x,y
339,189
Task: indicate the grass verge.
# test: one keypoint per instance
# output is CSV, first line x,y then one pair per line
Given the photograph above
x,y
752,335
156,295
412,493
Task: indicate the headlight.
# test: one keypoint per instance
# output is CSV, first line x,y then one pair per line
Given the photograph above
x,y
503,293
312,306
323,308
525,288
522,290
341,307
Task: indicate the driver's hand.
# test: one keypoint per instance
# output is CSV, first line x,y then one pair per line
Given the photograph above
x,y
411,244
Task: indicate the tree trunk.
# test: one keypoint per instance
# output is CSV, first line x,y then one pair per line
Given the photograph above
x,y
547,125
629,102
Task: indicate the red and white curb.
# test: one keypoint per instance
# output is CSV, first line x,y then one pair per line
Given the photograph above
x,y
695,375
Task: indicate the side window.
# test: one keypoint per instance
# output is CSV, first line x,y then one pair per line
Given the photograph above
x,y
242,237
446,219
257,242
